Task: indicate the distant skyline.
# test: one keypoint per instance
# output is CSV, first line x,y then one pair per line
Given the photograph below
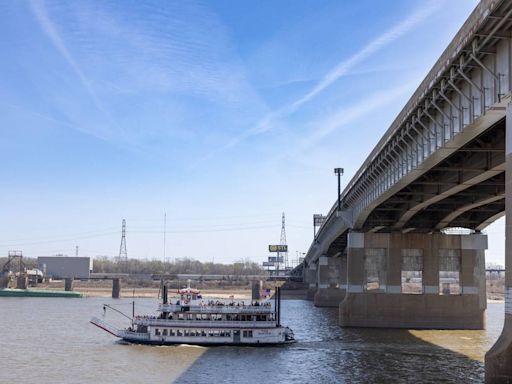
x,y
220,114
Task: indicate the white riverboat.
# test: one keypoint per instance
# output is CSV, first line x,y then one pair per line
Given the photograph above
x,y
191,319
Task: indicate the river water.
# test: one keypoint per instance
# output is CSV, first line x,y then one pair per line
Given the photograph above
x,y
49,340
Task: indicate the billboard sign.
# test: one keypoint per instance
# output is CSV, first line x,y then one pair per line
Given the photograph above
x,y
273,259
278,248
318,219
268,264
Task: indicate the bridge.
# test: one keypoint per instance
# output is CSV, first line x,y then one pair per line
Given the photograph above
x,y
404,246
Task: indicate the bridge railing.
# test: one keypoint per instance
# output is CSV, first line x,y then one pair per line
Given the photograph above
x,y
431,118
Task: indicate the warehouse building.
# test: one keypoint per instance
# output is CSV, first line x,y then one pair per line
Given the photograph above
x,y
60,267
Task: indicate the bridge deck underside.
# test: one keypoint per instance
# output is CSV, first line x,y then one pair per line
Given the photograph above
x,y
464,190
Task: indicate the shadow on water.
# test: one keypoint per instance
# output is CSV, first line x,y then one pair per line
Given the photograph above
x,y
327,353
68,346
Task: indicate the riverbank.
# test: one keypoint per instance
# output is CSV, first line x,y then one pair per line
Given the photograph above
x,y
104,289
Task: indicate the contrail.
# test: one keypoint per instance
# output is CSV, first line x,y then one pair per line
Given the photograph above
x,y
338,71
388,37
48,28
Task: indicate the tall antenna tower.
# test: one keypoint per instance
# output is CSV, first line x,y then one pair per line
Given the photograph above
x,y
123,255
283,241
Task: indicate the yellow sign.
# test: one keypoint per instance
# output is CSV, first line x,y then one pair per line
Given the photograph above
x,y
278,248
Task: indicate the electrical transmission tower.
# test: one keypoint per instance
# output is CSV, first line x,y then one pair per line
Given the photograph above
x,y
123,255
283,241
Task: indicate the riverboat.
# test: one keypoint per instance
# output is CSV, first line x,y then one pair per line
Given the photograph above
x,y
191,319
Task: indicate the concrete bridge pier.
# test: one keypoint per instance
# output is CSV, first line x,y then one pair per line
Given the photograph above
x,y
498,361
311,277
68,284
331,277
116,288
415,280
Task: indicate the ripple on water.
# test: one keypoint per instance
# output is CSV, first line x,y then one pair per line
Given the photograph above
x,y
67,346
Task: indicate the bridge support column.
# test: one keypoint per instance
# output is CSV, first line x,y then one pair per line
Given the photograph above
x,y
68,284
116,288
498,361
331,281
431,281
311,277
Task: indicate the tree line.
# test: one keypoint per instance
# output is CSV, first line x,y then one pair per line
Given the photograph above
x,y
184,265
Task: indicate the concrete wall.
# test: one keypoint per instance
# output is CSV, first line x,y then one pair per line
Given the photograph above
x,y
331,278
60,267
311,278
389,307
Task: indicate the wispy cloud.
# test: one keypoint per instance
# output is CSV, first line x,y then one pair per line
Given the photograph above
x,y
52,120
39,10
385,39
179,56
351,113
340,70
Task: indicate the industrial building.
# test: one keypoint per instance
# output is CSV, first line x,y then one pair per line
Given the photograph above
x,y
60,267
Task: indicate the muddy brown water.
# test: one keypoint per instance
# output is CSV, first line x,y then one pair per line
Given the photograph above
x,y
50,340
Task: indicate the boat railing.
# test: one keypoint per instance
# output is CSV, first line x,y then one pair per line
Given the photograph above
x,y
203,323
134,335
215,308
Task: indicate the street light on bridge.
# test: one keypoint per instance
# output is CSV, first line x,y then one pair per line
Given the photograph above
x,y
339,172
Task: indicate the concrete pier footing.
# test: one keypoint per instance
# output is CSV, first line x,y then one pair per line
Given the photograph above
x,y
255,290
22,282
378,295
311,278
498,361
68,284
331,278
116,288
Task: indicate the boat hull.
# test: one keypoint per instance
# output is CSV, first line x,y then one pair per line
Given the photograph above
x,y
273,336
205,344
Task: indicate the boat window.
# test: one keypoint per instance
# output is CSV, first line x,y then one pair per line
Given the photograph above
x,y
194,297
164,333
247,334
157,332
190,316
171,332
179,332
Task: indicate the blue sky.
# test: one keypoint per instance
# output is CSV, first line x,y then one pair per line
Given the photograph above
x,y
222,114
